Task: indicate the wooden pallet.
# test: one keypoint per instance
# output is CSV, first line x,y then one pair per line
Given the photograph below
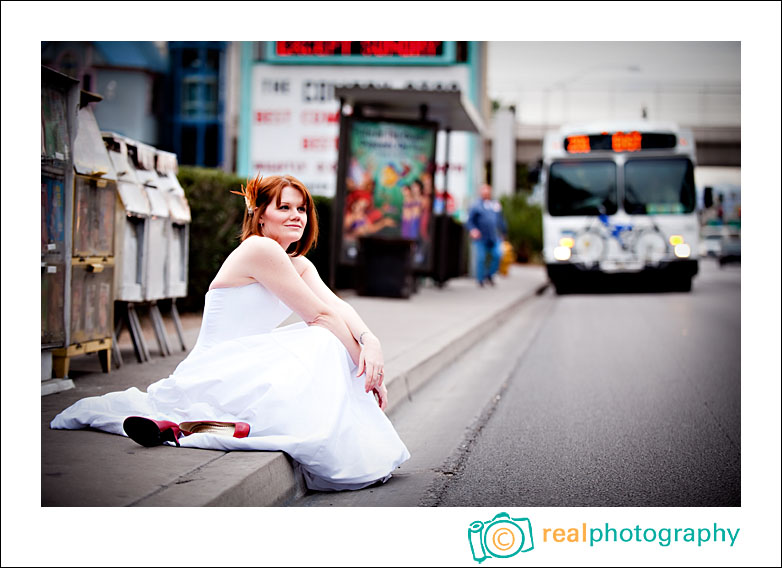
x,y
61,358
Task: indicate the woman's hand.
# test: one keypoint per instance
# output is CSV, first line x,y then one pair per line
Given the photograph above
x,y
370,362
381,394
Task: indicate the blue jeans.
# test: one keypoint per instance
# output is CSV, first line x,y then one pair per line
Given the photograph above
x,y
487,259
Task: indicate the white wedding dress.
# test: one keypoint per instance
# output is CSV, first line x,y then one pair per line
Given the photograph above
x,y
295,385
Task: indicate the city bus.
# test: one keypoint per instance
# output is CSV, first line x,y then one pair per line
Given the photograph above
x,y
619,198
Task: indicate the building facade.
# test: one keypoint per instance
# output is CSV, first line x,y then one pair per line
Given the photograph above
x,y
195,119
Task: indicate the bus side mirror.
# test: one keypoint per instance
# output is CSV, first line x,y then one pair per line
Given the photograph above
x,y
533,177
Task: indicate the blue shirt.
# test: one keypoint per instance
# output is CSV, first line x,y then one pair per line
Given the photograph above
x,y
486,216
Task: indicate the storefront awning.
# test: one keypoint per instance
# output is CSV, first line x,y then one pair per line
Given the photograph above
x,y
449,108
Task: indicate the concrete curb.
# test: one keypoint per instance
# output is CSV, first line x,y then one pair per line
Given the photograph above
x,y
234,479
261,479
403,384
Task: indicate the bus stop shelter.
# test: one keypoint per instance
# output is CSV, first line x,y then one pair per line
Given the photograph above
x,y
449,111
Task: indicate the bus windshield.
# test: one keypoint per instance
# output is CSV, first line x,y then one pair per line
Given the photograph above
x,y
659,186
582,188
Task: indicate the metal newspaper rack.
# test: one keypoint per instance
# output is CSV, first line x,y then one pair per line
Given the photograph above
x,y
132,214
179,235
179,215
92,251
153,240
59,115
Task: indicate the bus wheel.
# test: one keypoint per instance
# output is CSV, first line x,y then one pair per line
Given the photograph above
x,y
683,284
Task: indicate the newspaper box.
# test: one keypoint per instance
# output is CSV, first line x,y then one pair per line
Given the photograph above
x,y
142,159
179,230
92,252
59,94
132,215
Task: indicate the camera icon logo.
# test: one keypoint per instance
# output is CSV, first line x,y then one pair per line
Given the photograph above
x,y
502,537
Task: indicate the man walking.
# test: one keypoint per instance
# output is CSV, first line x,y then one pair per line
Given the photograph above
x,y
487,230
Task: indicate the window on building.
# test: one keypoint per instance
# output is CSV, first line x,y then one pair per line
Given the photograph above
x,y
212,59
190,59
190,96
189,145
211,146
199,97
210,106
197,128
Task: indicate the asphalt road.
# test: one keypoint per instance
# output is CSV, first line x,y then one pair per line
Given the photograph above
x,y
627,398
624,399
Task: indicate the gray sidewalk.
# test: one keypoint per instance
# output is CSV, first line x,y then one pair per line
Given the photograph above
x,y
420,336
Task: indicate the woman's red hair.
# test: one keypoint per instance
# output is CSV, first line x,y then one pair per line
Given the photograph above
x,y
260,192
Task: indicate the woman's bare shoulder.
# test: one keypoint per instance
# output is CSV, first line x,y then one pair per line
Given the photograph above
x,y
258,245
236,269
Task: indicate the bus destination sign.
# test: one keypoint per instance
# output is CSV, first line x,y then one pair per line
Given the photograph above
x,y
619,142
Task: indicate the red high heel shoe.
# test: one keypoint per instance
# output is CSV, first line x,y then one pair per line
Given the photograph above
x,y
148,432
235,429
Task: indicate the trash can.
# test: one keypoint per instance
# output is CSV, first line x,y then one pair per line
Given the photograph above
x,y
449,249
385,267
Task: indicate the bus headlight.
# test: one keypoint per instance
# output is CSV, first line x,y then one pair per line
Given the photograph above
x,y
676,240
681,250
567,242
562,253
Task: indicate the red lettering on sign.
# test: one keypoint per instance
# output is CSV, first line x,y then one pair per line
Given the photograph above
x,y
313,48
273,116
440,168
319,143
363,48
401,48
319,117
282,167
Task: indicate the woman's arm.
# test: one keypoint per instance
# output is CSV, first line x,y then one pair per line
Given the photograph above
x,y
264,260
371,356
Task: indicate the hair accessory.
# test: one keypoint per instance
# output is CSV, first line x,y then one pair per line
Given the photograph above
x,y
250,193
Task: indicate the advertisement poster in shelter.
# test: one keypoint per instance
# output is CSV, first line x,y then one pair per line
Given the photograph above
x,y
389,186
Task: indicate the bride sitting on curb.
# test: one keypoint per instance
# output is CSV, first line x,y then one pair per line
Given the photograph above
x,y
251,385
